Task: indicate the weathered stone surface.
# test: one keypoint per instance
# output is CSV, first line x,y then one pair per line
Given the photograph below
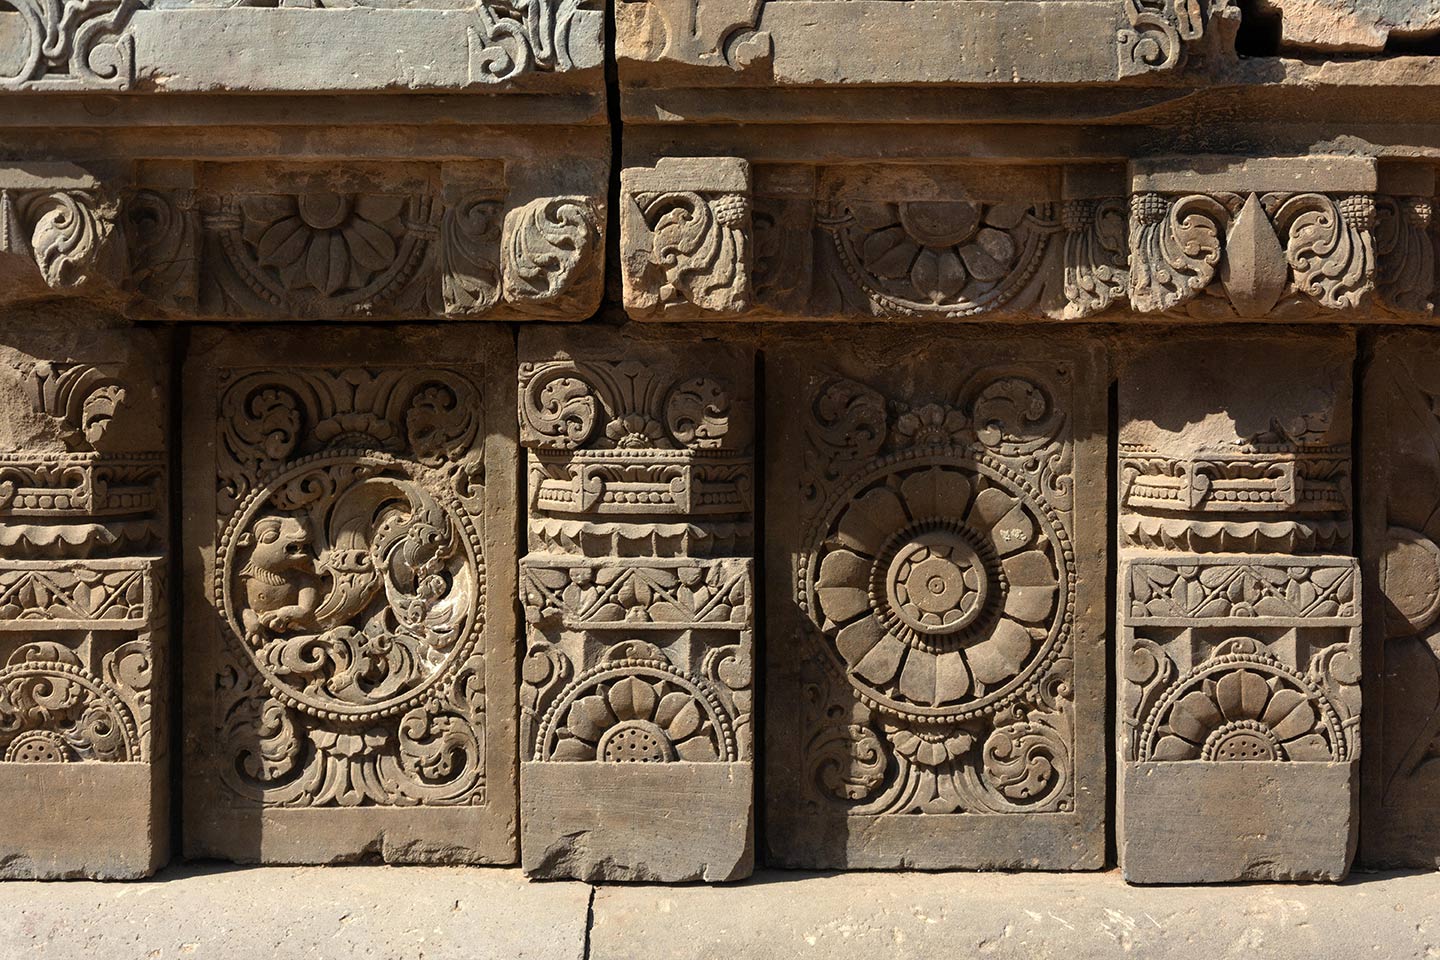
x,y
1401,462
636,698
270,46
459,240
210,912
1239,651
861,915
1189,238
936,666
84,613
746,42
1352,26
350,669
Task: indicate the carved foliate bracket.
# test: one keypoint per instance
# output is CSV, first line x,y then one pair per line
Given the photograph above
x,y
1209,238
1277,239
685,237
58,232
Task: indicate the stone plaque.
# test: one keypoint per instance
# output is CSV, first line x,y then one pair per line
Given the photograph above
x,y
636,696
350,667
1239,650
84,758
936,664
1401,514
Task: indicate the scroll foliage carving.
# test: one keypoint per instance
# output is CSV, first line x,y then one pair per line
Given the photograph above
x,y
552,256
1406,253
1272,255
350,580
937,576
69,237
65,44
1096,256
514,37
696,254
624,455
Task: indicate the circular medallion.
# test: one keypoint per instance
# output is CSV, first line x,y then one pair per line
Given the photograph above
x,y
351,585
943,584
935,582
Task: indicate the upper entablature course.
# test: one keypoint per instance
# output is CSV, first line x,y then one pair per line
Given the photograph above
x,y
300,46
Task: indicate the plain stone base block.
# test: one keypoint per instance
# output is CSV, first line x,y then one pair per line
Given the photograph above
x,y
665,823
102,821
326,836
1202,822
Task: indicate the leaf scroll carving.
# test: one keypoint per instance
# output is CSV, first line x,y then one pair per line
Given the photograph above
x,y
552,256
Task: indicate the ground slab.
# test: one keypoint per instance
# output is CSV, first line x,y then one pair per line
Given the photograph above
x,y
200,912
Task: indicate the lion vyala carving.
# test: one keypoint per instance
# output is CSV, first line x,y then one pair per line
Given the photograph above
x,y
358,597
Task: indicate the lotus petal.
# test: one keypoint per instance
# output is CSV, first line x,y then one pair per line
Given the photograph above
x,y
936,492
1002,655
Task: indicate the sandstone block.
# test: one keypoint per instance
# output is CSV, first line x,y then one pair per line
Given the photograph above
x,y
636,697
1239,649
744,43
350,670
936,667
1401,464
115,45
84,609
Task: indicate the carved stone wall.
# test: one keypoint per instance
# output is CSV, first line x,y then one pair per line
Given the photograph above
x,y
1238,661
920,404
350,688
84,608
935,604
637,687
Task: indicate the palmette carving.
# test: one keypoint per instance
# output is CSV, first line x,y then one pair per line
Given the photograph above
x,y
634,459
1405,253
350,579
1096,256
939,578
1272,255
163,235
469,255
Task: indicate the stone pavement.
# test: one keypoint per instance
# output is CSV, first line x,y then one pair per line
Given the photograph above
x,y
203,911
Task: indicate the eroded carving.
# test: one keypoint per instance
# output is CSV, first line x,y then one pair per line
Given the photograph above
x,y
553,256
686,238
